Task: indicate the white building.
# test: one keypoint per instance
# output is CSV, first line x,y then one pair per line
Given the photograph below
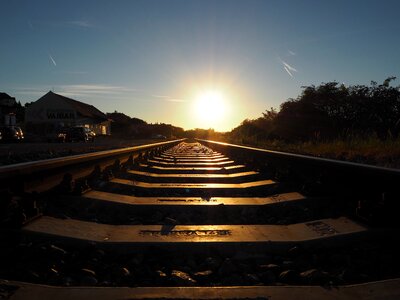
x,y
53,111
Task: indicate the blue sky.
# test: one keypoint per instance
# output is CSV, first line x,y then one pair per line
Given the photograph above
x,y
151,59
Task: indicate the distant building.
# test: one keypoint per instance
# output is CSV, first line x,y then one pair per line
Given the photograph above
x,y
7,100
7,109
53,111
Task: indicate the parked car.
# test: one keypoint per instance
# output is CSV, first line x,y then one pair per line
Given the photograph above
x,y
20,133
75,134
61,136
159,136
11,134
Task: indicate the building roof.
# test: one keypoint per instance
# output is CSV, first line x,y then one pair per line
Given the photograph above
x,y
83,109
5,96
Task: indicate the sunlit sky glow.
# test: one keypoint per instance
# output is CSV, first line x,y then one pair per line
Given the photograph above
x,y
154,59
210,107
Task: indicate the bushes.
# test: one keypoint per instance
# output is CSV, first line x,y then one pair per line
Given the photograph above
x,y
327,112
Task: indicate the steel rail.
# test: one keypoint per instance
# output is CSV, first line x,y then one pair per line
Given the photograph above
x,y
40,174
374,188
304,159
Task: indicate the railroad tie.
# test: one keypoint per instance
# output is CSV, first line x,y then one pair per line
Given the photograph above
x,y
195,217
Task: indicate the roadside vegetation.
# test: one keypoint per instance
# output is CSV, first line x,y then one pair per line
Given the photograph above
x,y
373,151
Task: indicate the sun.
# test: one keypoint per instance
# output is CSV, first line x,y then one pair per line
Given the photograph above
x,y
210,108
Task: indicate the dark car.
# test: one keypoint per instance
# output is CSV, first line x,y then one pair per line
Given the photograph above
x,y
61,136
76,134
11,134
159,136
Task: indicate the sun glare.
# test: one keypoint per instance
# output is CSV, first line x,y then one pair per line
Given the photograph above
x,y
210,108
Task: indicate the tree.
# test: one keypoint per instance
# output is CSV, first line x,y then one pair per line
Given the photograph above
x,y
328,111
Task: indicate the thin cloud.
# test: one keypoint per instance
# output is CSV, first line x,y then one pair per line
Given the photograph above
x,y
77,90
175,100
160,96
71,23
52,60
81,23
31,91
168,98
81,92
74,72
35,93
94,89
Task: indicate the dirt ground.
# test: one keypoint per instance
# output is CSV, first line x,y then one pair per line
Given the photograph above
x,y
12,153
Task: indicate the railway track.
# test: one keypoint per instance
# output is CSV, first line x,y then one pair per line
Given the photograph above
x,y
190,220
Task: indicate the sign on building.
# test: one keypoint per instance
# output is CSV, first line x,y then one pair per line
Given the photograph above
x,y
57,114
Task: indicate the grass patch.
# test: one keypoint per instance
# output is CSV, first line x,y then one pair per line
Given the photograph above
x,y
370,150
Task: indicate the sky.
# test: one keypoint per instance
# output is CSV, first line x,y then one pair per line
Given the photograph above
x,y
157,60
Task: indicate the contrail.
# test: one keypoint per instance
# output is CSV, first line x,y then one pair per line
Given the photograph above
x,y
52,60
288,68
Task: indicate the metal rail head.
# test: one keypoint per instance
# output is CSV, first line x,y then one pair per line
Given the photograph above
x,y
314,162
45,174
373,188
